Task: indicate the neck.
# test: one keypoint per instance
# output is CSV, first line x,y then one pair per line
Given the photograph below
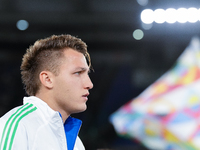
x,y
51,103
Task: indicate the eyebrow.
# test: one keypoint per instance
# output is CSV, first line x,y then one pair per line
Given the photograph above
x,y
83,69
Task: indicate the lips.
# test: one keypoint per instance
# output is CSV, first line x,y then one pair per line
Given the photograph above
x,y
85,96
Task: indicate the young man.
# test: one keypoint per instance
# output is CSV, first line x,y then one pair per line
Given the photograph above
x,y
55,74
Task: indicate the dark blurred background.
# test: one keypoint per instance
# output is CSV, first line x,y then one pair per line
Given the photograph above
x,y
123,66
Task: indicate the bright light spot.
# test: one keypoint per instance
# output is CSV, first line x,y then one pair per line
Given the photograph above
x,y
147,16
192,15
22,25
146,26
138,34
182,15
159,16
170,15
198,14
143,2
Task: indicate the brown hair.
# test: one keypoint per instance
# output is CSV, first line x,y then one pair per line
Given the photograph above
x,y
46,54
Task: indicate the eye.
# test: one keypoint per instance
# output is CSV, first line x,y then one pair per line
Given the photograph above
x,y
78,73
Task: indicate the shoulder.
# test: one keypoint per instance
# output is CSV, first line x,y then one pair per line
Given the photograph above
x,y
16,116
18,113
19,124
11,129
8,116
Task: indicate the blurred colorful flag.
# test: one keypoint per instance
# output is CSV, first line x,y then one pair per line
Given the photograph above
x,y
166,116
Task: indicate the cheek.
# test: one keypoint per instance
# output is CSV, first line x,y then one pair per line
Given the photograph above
x,y
61,84
69,86
67,83
75,81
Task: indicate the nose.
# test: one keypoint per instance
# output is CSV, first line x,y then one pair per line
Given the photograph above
x,y
89,84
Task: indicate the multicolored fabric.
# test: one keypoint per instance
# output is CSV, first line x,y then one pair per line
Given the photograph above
x,y
167,114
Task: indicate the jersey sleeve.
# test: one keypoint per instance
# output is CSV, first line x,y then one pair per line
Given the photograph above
x,y
12,135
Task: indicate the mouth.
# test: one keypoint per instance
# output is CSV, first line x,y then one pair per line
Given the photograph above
x,y
86,96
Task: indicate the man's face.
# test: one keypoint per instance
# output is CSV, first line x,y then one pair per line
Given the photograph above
x,y
71,86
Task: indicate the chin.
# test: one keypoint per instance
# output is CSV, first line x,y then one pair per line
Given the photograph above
x,y
84,109
81,109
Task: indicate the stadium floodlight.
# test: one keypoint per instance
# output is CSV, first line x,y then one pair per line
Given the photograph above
x,y
170,15
159,16
147,16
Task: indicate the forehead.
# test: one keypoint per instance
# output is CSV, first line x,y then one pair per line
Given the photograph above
x,y
74,58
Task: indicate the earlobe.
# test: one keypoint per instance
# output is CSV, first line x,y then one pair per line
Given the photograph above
x,y
46,79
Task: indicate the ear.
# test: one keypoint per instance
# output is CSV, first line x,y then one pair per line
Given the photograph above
x,y
46,79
